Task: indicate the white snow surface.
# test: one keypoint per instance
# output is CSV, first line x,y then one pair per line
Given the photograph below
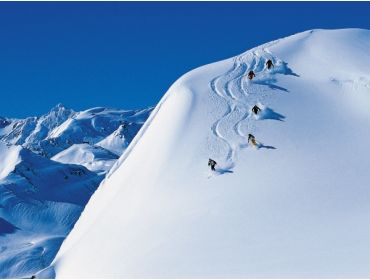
x,y
10,158
297,205
41,199
117,142
60,128
93,158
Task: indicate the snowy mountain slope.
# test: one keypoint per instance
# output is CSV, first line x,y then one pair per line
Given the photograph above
x,y
41,199
118,141
31,131
9,159
94,158
96,124
61,128
295,206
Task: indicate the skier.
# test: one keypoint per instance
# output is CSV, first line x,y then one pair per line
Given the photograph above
x,y
256,109
269,64
251,75
252,140
212,164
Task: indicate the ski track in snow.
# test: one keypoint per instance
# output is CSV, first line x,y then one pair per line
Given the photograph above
x,y
215,127
240,94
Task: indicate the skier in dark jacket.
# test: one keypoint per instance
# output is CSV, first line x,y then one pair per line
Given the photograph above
x,y
251,75
212,164
252,140
269,64
256,109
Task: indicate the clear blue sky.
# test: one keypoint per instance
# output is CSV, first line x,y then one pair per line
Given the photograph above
x,y
126,55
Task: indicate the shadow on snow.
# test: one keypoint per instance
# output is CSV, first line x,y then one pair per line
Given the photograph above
x,y
6,227
269,114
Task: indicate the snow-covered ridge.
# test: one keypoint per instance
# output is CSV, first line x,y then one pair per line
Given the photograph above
x,y
278,209
33,130
61,128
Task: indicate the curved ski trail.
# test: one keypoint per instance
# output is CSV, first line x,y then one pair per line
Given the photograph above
x,y
241,94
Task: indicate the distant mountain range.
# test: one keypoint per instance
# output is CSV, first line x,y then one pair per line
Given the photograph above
x,y
49,168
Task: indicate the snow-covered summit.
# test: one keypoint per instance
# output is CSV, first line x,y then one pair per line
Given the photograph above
x,y
296,205
61,128
32,130
118,141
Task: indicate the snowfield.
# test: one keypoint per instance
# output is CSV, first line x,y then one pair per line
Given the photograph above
x,y
10,158
297,205
93,158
